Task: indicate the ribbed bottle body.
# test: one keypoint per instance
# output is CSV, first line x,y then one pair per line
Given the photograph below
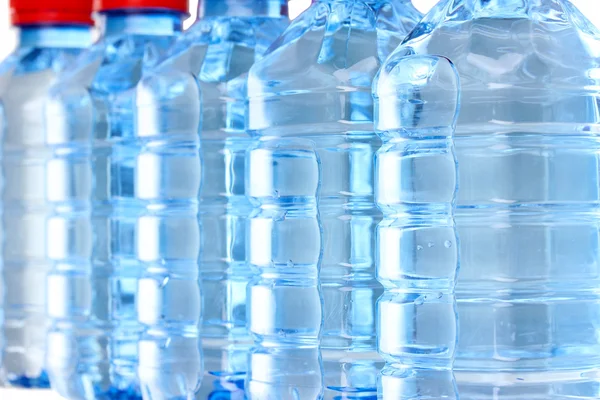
x,y
284,250
315,85
31,157
417,98
168,174
526,149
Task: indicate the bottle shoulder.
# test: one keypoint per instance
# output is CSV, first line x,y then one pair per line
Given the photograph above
x,y
332,43
98,93
218,50
540,64
7,69
35,61
28,74
116,64
207,70
317,76
555,33
417,97
26,81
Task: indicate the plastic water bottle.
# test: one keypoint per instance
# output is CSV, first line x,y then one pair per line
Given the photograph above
x,y
93,342
416,103
315,83
527,152
219,50
168,174
51,35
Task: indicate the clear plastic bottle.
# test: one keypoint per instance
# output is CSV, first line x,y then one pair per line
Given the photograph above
x,y
315,83
93,342
527,151
219,50
416,104
168,176
51,35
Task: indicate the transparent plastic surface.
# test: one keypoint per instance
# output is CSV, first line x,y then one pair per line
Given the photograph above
x,y
167,182
315,83
284,250
416,104
219,50
93,232
25,79
527,149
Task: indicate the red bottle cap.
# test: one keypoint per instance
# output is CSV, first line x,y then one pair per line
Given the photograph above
x,y
170,5
61,12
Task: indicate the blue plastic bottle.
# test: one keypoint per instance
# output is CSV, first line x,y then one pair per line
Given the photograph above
x,y
219,50
93,342
168,175
416,104
315,83
527,151
51,35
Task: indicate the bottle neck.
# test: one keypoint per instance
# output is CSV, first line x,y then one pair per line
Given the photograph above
x,y
501,3
60,36
376,4
242,8
141,22
499,8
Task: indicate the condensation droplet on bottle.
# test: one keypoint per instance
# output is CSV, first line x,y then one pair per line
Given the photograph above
x,y
430,244
419,247
448,244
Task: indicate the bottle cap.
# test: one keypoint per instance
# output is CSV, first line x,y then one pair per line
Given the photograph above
x,y
51,12
167,5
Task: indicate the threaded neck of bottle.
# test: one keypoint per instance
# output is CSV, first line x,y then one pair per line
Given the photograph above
x,y
141,22
55,36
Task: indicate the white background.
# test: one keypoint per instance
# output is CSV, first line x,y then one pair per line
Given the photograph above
x,y
7,42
